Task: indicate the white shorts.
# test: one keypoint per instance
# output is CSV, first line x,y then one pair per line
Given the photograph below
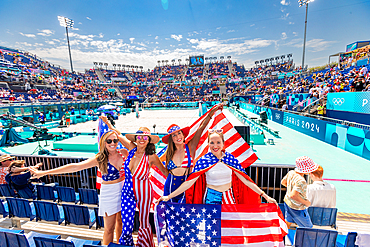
x,y
110,198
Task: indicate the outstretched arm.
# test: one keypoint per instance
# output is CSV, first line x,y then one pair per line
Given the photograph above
x,y
193,143
73,167
125,142
183,187
154,160
255,188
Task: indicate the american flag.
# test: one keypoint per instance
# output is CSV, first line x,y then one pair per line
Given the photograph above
x,y
234,143
220,225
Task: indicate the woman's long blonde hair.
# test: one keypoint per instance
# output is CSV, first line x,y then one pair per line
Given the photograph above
x,y
102,156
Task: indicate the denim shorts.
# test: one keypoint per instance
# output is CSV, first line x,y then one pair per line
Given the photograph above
x,y
300,217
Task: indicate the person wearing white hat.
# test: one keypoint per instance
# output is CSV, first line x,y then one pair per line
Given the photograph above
x,y
295,200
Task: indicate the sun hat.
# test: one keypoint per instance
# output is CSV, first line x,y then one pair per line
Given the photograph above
x,y
143,131
305,164
5,157
174,128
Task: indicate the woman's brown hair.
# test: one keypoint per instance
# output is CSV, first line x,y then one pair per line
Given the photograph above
x,y
102,156
171,149
16,163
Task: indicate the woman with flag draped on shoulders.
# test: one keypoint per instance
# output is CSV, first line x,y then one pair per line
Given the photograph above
x,y
218,178
179,155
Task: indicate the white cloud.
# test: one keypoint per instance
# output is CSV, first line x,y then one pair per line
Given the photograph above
x,y
156,37
314,45
231,31
101,35
80,23
88,18
285,16
80,36
118,34
24,44
176,37
28,35
45,32
253,25
50,42
218,28
284,2
193,41
295,34
75,28
291,23
283,35
132,40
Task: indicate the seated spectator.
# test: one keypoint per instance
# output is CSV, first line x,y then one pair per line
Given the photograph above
x,y
19,179
295,200
5,161
320,193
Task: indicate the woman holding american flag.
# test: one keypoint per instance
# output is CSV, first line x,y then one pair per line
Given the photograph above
x,y
179,156
218,178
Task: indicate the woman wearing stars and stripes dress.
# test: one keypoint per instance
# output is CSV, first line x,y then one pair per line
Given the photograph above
x,y
220,179
137,189
179,156
109,160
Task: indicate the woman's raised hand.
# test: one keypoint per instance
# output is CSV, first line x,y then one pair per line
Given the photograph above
x,y
104,119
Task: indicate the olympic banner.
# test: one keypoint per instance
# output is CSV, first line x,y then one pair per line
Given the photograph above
x,y
349,102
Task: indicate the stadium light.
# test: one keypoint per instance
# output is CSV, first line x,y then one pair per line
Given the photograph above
x,y
67,23
304,3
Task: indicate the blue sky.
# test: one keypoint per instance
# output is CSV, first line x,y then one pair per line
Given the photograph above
x,y
141,32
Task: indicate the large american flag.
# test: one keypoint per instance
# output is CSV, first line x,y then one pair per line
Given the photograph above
x,y
234,143
211,225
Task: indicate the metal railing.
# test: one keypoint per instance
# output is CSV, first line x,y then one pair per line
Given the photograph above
x,y
266,176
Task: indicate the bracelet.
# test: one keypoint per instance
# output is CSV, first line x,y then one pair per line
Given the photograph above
x,y
262,193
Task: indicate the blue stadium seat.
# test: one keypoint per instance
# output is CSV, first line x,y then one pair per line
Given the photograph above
x,y
116,245
78,215
323,216
45,192
99,219
6,190
347,240
69,242
11,231
49,211
67,194
11,239
88,196
4,210
310,237
21,208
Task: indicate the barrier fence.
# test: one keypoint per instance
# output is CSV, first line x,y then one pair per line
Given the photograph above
x,y
266,176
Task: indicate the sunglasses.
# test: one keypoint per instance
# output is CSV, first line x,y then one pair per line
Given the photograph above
x,y
109,141
142,138
218,131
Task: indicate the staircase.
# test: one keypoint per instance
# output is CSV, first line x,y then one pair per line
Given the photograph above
x,y
159,91
231,69
100,75
119,93
128,76
185,71
312,108
205,71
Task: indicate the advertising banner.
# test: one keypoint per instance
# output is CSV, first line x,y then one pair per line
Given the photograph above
x,y
349,101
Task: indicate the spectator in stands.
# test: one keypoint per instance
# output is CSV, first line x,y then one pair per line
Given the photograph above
x,y
20,179
320,110
109,160
42,118
320,193
5,161
295,200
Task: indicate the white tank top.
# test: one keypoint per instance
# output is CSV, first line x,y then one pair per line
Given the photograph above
x,y
220,174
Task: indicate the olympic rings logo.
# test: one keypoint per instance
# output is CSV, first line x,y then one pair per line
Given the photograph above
x,y
338,101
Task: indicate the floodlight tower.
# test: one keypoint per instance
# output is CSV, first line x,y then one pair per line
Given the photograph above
x,y
302,3
67,23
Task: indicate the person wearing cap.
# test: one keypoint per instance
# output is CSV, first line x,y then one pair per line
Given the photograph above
x,y
5,161
109,161
295,200
179,156
137,190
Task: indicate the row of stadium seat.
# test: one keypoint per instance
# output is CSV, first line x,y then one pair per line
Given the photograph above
x,y
57,193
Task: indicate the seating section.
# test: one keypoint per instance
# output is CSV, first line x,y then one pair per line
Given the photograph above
x,y
6,190
309,237
11,238
21,208
69,242
88,196
67,194
323,216
78,215
49,211
46,193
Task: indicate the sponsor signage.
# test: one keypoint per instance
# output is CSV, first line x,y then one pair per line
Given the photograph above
x,y
349,101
